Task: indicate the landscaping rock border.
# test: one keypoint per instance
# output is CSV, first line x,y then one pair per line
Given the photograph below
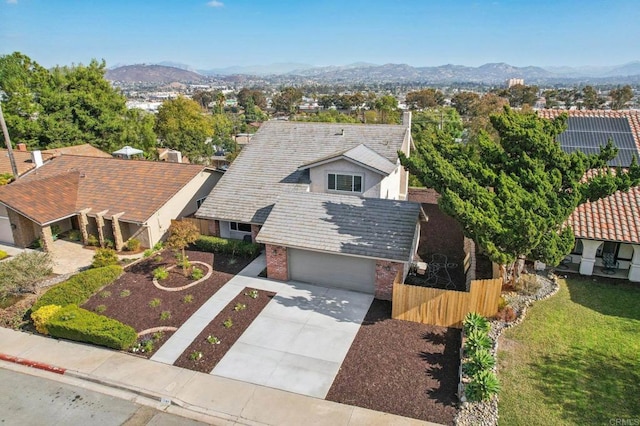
x,y
485,413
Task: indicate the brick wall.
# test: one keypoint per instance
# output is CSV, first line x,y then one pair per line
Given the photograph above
x,y
277,263
423,195
386,273
23,229
214,228
254,232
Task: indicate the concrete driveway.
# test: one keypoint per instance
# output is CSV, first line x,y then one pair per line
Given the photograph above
x,y
299,340
70,256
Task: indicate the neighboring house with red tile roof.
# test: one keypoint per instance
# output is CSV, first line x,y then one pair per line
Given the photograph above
x,y
108,198
607,231
86,150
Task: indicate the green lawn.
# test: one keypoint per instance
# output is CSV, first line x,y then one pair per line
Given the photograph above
x,y
576,357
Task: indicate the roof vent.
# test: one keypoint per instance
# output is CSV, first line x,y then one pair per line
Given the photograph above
x,y
341,133
36,158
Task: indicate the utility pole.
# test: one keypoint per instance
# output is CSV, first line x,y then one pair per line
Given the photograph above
x,y
7,141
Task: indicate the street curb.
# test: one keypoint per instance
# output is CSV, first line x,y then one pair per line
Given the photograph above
x,y
33,364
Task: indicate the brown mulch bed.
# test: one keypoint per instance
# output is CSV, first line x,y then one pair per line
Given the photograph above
x,y
400,367
135,310
241,319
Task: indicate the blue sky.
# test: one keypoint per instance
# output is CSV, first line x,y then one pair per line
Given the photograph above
x,y
212,34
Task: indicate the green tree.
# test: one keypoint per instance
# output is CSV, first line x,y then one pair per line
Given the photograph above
x,y
520,95
464,103
513,196
181,125
621,96
256,97
445,119
425,98
182,233
330,116
387,108
138,131
550,98
591,99
287,101
203,98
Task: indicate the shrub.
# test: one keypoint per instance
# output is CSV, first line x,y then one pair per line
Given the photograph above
x,y
74,323
252,294
213,340
133,244
197,274
528,284
147,253
109,243
79,287
104,294
507,314
144,345
195,356
125,293
239,307
475,341
22,273
502,303
92,240
228,323
483,386
155,302
104,257
158,259
74,235
42,316
188,298
160,273
480,360
227,246
3,254
158,246
158,335
475,322
100,308
165,315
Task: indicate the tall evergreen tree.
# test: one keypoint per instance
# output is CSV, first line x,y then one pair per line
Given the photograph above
x,y
514,196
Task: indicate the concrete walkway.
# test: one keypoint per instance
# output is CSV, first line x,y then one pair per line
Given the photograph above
x,y
298,341
230,401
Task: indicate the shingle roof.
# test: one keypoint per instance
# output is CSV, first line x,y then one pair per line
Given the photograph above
x,y
23,161
68,184
587,130
369,227
84,149
361,155
614,218
268,166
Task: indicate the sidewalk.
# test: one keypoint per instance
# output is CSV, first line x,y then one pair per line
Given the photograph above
x,y
231,401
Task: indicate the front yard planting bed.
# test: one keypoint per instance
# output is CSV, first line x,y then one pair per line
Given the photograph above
x,y
134,300
216,339
574,359
400,367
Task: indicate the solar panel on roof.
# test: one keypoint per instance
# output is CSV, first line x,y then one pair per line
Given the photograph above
x,y
587,134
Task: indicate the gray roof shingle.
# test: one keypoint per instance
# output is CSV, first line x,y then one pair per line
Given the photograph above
x,y
268,166
362,155
344,224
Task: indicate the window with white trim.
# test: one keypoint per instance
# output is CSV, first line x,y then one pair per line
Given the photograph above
x,y
344,182
241,227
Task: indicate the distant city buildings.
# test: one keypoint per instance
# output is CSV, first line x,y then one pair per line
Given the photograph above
x,y
515,82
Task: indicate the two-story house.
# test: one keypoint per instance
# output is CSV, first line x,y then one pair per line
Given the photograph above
x,y
326,199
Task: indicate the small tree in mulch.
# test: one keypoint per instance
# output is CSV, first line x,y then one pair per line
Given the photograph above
x,y
182,234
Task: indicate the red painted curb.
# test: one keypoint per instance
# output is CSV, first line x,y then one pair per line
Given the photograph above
x,y
33,364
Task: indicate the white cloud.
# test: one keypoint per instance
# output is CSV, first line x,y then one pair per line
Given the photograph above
x,y
12,1
215,3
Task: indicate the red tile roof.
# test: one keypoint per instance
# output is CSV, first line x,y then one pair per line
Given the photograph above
x,y
23,161
614,218
68,184
85,149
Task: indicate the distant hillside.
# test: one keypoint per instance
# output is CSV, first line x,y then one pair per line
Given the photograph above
x,y
152,74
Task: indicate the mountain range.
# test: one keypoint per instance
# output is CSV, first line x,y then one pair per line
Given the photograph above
x,y
492,73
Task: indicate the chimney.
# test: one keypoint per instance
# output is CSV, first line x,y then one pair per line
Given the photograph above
x,y
21,147
36,158
406,119
174,156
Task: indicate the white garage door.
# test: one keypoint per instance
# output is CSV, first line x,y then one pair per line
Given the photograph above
x,y
351,273
6,235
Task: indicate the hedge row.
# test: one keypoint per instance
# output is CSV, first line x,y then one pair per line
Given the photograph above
x,y
227,246
74,323
78,288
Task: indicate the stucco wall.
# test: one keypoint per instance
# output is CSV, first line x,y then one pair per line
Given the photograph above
x,y
181,204
390,186
370,180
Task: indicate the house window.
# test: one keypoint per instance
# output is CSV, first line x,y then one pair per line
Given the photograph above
x,y
200,201
241,227
607,247
345,183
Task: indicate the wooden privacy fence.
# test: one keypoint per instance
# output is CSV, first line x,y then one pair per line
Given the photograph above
x,y
201,224
445,308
